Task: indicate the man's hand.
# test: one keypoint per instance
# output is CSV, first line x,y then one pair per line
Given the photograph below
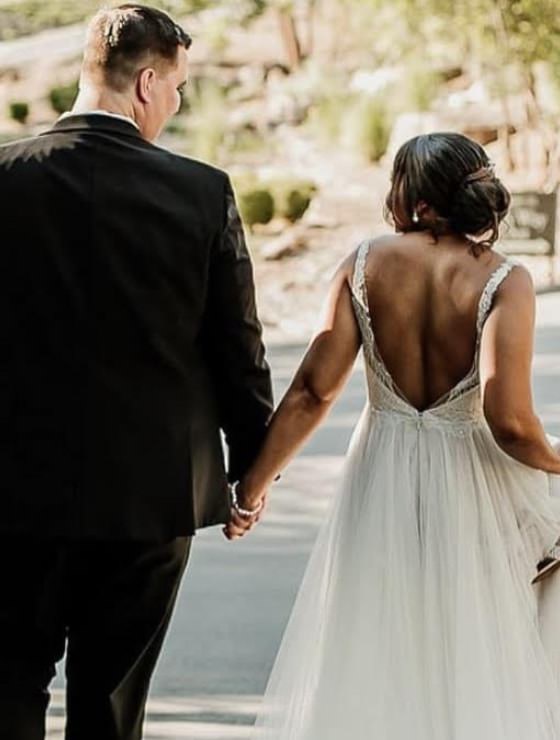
x,y
238,526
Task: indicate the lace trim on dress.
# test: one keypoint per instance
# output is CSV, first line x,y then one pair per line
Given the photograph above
x,y
487,297
361,305
359,277
359,296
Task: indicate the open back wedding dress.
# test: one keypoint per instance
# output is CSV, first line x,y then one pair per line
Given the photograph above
x,y
416,618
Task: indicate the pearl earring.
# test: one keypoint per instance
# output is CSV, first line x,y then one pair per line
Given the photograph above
x,y
415,217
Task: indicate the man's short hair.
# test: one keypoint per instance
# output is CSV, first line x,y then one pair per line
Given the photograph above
x,y
122,40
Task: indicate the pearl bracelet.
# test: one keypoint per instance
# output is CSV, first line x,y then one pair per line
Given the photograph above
x,y
245,513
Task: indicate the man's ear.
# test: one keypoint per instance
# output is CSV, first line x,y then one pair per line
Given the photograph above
x,y
145,83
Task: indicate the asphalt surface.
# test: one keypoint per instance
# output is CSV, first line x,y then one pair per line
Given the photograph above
x,y
236,597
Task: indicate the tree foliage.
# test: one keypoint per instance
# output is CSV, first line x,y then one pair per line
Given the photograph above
x,y
523,31
25,17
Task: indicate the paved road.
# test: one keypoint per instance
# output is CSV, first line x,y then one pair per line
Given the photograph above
x,y
236,597
54,44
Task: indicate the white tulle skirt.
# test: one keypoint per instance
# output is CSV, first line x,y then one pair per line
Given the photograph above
x,y
416,618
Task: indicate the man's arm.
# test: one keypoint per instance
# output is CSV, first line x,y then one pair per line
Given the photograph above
x,y
232,340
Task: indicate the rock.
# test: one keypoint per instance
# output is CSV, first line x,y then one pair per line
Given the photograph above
x,y
276,227
319,215
290,243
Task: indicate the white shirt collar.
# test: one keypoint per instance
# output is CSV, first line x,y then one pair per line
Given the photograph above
x,y
68,114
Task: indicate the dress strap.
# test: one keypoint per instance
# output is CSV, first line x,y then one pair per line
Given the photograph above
x,y
361,303
359,287
487,296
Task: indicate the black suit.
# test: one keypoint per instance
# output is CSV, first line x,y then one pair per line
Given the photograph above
x,y
129,339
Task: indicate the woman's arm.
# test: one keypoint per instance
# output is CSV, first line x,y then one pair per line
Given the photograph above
x,y
316,385
505,373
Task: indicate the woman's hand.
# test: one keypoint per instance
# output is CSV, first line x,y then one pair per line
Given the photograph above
x,y
250,500
249,496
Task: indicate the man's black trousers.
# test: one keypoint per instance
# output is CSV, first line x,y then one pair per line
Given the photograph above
x,y
109,605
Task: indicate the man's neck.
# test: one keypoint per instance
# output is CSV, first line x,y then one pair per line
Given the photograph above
x,y
102,113
99,100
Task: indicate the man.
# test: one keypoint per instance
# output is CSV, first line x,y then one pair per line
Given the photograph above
x,y
129,338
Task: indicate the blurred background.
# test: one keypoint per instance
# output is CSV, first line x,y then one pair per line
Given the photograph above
x,y
305,102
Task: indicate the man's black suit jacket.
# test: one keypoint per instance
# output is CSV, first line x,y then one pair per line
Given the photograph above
x,y
129,337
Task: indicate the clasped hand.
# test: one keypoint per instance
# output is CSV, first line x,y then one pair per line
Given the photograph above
x,y
239,525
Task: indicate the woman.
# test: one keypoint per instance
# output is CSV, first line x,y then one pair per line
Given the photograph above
x,y
416,617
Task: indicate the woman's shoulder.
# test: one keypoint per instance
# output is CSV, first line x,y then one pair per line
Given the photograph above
x,y
365,246
511,267
515,279
384,242
377,246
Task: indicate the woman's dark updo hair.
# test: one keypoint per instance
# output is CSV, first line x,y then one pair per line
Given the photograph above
x,y
454,177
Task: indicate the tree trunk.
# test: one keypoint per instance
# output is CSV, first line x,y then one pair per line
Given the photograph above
x,y
504,131
311,18
533,109
503,42
290,38
536,121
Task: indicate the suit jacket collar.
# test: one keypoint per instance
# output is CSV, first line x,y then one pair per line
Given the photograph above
x,y
95,122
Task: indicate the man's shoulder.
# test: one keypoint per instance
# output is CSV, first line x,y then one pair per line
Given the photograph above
x,y
11,151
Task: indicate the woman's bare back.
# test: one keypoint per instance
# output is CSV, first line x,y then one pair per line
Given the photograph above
x,y
423,299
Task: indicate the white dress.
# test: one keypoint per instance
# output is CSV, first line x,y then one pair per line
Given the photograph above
x,y
416,619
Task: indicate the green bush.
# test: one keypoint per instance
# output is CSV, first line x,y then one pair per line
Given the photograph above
x,y
259,202
371,128
25,17
19,111
208,121
292,198
247,141
62,97
326,116
353,120
256,206
420,90
176,126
